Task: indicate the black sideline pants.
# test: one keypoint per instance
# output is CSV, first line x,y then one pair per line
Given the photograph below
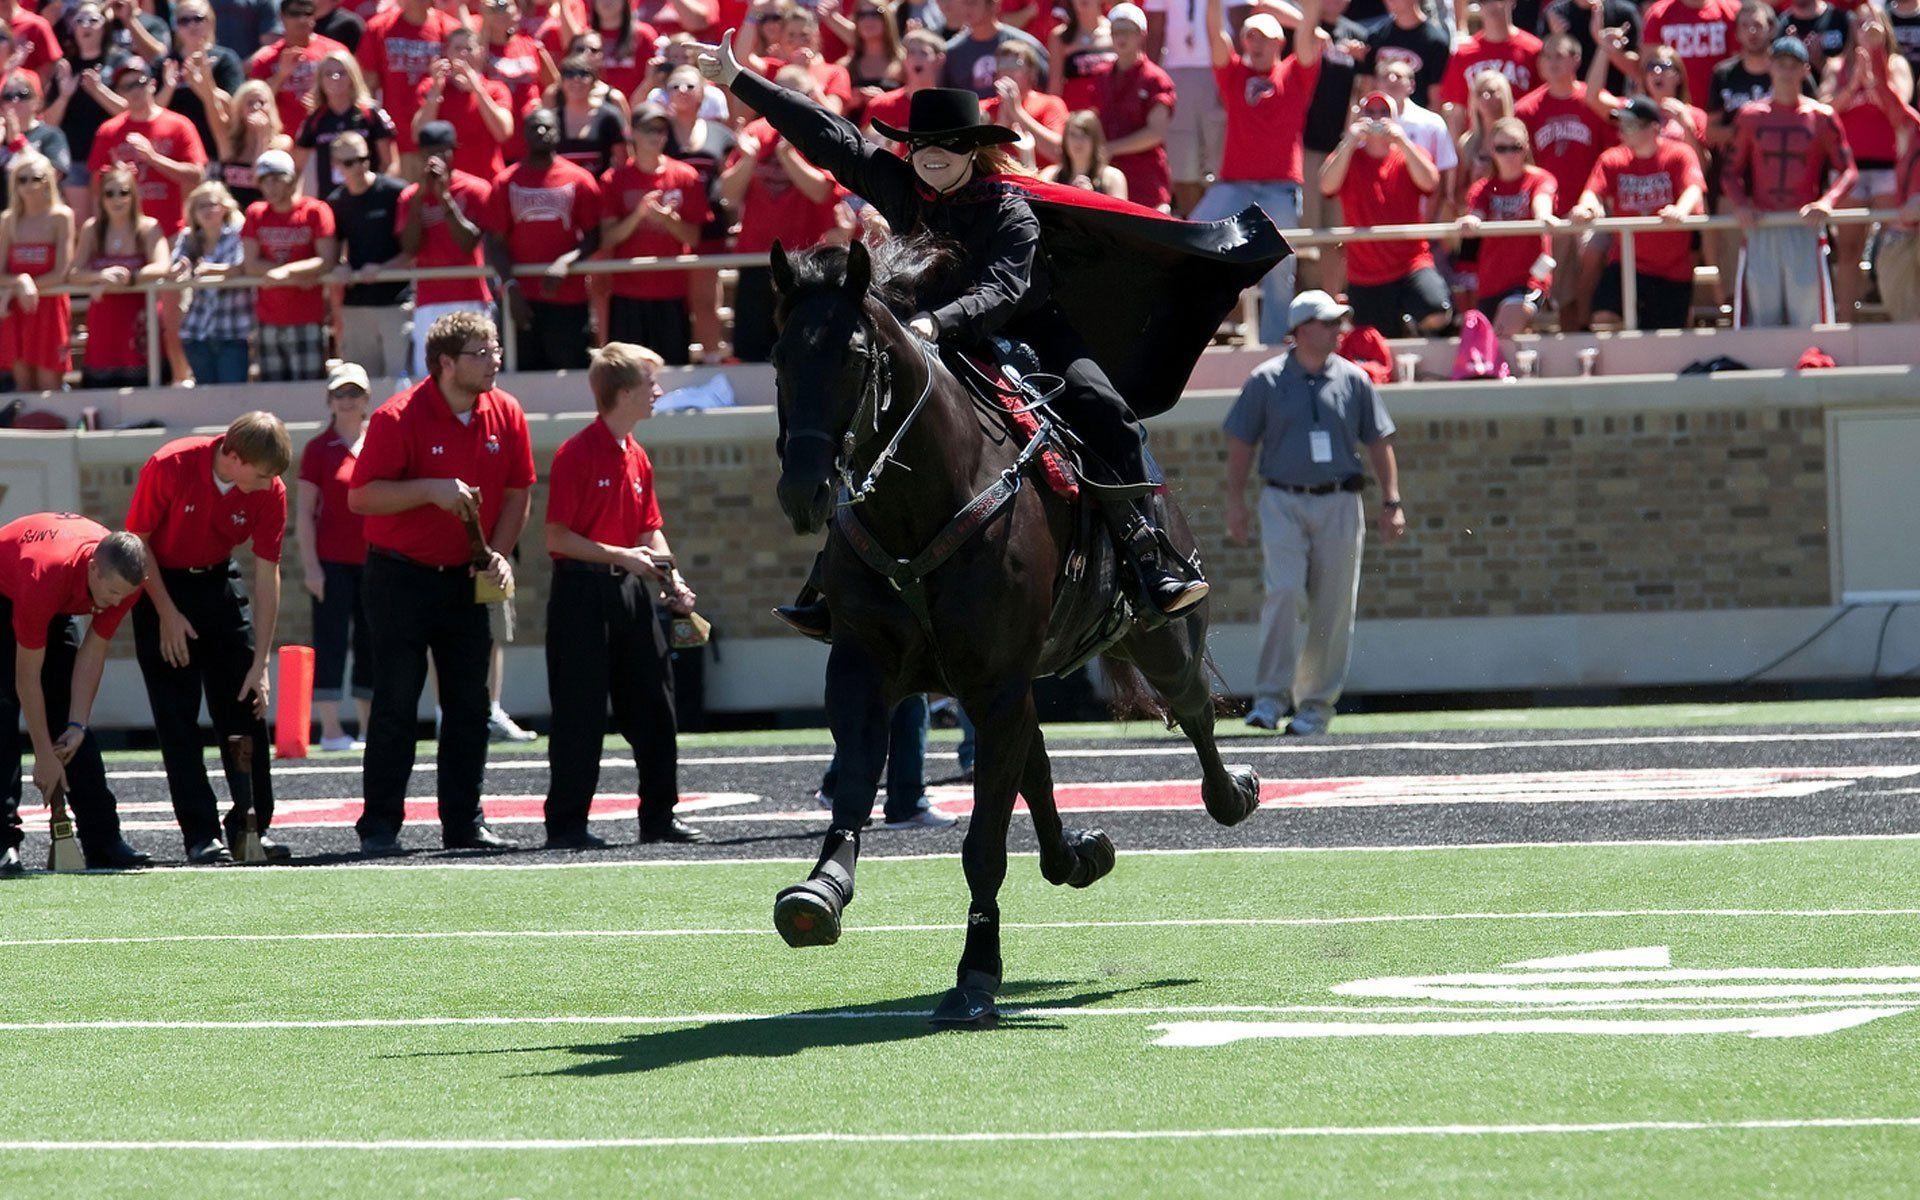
x,y
340,622
412,611
662,326
217,662
606,649
558,339
96,820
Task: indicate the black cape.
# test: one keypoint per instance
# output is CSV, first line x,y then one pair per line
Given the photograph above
x,y
1145,290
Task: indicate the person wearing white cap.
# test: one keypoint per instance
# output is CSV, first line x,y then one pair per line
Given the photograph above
x,y
1266,101
289,239
1308,415
1179,39
1135,100
333,554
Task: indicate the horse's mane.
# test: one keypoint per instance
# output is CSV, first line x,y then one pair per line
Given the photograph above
x,y
905,269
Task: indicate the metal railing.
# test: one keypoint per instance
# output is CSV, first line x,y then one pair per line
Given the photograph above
x,y
1626,228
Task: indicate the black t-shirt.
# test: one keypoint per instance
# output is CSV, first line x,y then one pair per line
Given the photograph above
x,y
1579,27
707,162
1734,87
1427,47
317,132
84,114
1333,94
228,74
342,26
1825,35
593,149
365,225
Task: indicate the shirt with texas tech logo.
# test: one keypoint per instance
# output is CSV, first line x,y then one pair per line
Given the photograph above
x,y
191,519
1782,155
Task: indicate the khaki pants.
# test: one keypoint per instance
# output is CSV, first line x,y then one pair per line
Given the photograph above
x,y
1322,267
1310,546
1898,265
1196,135
376,338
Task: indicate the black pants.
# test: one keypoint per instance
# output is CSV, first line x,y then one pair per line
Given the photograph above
x,y
662,326
558,340
340,622
605,646
97,821
415,610
753,333
217,663
1115,444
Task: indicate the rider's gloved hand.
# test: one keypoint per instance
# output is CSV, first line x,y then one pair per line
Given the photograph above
x,y
717,62
922,327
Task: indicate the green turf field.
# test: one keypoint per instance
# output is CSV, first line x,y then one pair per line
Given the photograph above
x,y
1363,1115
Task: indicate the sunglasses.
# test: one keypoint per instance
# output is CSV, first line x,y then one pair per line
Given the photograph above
x,y
1509,148
493,352
89,21
355,161
190,19
13,94
683,87
132,83
115,193
1661,68
576,73
36,177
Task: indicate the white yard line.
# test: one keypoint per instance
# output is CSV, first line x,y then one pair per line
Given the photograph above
x,y
934,1137
430,935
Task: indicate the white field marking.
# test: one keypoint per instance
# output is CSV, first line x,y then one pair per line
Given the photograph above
x,y
284,1024
429,935
835,1138
1642,956
341,812
1232,748
1813,1024
1602,985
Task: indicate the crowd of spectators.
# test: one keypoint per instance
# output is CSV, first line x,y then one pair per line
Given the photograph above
x,y
308,144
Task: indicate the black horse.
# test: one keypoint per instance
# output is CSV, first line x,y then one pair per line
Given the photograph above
x,y
946,570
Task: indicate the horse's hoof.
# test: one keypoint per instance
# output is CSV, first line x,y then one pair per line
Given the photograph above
x,y
1092,856
1241,801
968,1006
807,914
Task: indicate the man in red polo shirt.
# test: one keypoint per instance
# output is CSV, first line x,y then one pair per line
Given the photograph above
x,y
398,50
655,207
288,63
194,632
1382,178
450,446
604,642
545,210
439,220
163,146
289,238
53,567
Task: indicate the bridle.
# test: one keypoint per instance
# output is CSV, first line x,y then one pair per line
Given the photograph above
x,y
876,398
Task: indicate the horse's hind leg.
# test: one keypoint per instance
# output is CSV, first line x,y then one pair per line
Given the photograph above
x,y
808,914
1172,658
1075,857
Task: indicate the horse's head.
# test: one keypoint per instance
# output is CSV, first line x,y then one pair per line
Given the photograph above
x,y
825,364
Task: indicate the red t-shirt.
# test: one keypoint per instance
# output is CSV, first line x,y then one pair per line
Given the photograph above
x,y
286,237
32,31
665,19
339,533
437,247
189,522
1640,187
625,72
1781,156
542,215
1869,132
891,108
1515,58
1050,111
291,97
396,55
43,570
172,136
474,149
517,66
680,188
1266,116
1567,140
1506,263
774,208
1381,191
603,489
1702,37
416,436
1125,99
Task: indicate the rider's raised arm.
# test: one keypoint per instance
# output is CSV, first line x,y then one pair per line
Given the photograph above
x,y
1002,278
831,142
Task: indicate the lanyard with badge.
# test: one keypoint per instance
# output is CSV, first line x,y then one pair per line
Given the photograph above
x,y
1319,441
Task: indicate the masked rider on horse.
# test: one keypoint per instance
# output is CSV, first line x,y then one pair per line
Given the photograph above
x,y
951,188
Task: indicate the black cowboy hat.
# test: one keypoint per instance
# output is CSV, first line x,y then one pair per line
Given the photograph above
x,y
950,116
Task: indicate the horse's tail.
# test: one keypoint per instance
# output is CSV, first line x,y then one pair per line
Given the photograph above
x,y
1131,697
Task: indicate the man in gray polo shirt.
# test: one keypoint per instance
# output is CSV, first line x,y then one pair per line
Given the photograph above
x,y
1308,414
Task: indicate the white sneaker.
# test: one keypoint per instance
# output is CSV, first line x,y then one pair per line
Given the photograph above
x,y
502,728
926,818
343,742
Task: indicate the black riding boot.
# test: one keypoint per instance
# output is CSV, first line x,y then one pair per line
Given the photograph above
x,y
808,614
1170,582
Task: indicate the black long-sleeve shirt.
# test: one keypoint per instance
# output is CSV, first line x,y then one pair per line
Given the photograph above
x,y
991,224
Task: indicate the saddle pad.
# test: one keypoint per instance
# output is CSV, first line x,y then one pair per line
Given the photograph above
x,y
1059,472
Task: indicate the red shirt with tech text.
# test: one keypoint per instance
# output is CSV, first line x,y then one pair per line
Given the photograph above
x,y
1631,186
43,570
437,247
416,436
395,54
679,186
1567,140
1703,37
189,521
339,533
1782,153
543,214
286,237
603,489
1381,191
1266,116
172,136
1516,58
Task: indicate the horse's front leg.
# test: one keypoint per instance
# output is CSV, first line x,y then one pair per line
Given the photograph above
x,y
1075,857
1005,725
808,914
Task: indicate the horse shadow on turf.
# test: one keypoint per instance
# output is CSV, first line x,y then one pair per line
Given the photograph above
x,y
838,1028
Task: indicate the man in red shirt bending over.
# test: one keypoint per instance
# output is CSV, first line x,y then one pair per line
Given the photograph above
x,y
604,642
545,211
1382,178
450,447
654,207
194,632
53,567
1784,150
